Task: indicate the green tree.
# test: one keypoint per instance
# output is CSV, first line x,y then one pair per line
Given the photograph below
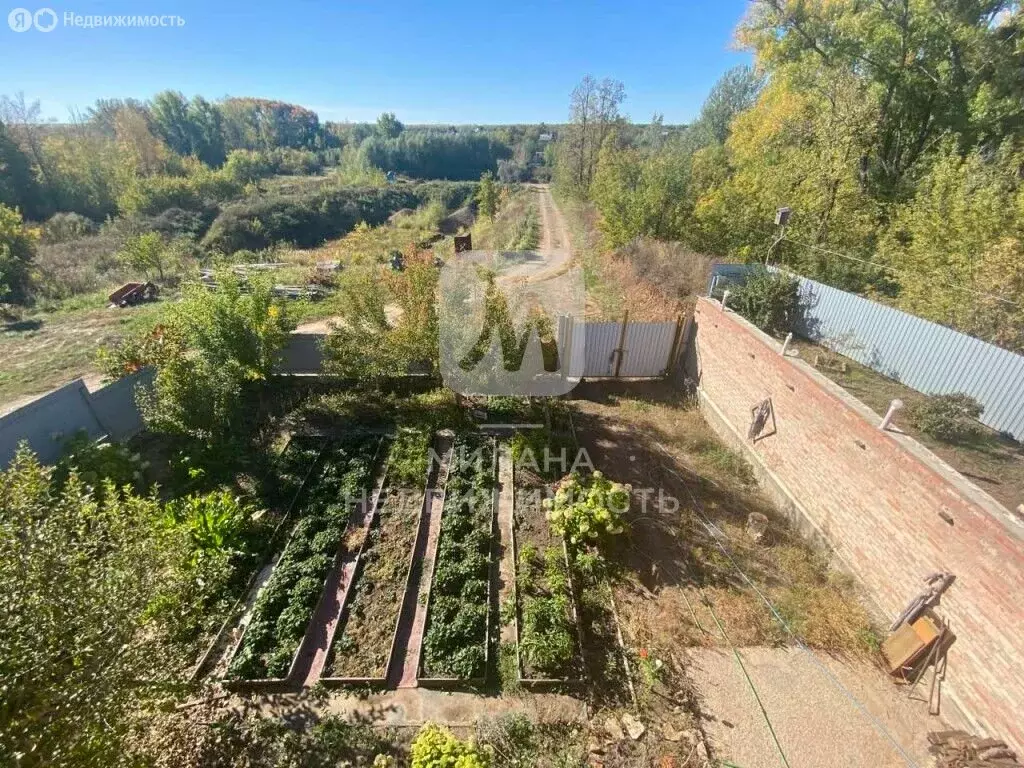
x,y
388,126
593,111
17,251
931,66
388,325
145,253
958,246
211,351
736,91
487,195
18,186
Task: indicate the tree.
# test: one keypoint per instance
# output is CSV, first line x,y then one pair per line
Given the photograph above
x,y
958,246
642,193
18,186
736,91
17,251
593,110
487,195
209,352
388,126
932,67
800,149
83,647
145,253
371,342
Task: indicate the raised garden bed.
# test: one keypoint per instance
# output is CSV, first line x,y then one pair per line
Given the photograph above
x,y
267,649
456,641
548,642
364,644
297,463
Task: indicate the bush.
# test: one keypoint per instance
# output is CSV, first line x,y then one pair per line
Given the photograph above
x,y
953,417
769,300
62,227
588,512
17,251
437,747
98,464
305,219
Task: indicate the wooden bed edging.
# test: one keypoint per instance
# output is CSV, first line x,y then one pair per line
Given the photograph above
x,y
457,682
233,617
277,683
382,681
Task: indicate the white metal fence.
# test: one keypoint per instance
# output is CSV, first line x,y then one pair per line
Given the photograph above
x,y
921,354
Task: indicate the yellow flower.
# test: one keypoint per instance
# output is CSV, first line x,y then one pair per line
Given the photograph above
x,y
274,311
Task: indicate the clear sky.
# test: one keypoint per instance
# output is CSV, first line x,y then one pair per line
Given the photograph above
x,y
451,61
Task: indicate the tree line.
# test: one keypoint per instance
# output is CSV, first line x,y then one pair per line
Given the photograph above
x,y
124,168
893,132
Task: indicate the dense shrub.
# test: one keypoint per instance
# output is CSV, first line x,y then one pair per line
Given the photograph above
x,y
62,227
96,463
305,220
769,300
17,251
952,417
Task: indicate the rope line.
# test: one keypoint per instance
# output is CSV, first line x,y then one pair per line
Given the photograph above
x,y
715,534
753,688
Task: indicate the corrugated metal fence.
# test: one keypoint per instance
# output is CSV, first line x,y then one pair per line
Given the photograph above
x,y
45,424
627,349
921,354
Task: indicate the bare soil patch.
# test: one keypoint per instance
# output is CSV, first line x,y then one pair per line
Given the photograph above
x,y
362,646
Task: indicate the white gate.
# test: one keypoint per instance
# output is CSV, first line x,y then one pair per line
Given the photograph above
x,y
627,349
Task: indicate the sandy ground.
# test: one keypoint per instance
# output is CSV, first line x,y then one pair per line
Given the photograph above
x,y
817,724
554,253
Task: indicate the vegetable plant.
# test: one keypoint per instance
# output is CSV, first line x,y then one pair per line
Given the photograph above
x,y
588,511
454,644
437,747
285,605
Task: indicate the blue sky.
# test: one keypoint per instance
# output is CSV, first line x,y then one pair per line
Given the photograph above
x,y
456,61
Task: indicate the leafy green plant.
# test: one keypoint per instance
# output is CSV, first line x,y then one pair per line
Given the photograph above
x,y
770,300
284,606
214,521
457,624
437,747
98,463
588,511
952,418
210,349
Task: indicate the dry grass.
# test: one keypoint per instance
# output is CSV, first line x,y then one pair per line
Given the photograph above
x,y
674,573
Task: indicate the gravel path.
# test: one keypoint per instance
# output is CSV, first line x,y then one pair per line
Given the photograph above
x,y
816,724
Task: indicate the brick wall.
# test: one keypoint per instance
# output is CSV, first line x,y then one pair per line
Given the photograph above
x,y
874,497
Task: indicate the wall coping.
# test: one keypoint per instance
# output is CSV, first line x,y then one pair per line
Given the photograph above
x,y
902,440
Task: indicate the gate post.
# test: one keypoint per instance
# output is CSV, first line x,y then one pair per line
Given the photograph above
x,y
619,351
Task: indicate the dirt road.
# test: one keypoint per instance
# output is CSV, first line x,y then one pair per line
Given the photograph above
x,y
554,254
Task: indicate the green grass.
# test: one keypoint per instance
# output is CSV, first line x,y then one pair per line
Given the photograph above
x,y
46,350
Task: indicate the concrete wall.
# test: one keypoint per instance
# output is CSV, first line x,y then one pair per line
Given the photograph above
x,y
874,498
49,421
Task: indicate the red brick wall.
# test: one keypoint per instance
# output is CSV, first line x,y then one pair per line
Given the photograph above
x,y
875,497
